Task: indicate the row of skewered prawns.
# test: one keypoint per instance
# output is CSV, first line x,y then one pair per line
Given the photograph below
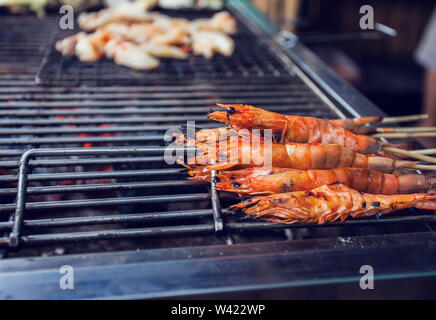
x,y
319,170
222,149
136,38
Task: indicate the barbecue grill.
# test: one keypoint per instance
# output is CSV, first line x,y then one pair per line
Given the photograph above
x,y
84,183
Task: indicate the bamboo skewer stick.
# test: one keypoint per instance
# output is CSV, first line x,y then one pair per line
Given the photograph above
x,y
424,151
410,154
422,167
404,135
406,129
410,118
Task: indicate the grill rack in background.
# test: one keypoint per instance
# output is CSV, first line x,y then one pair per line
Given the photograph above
x,y
251,58
68,121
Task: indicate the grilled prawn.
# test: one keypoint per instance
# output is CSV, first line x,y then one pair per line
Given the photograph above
x,y
329,203
258,180
221,149
294,129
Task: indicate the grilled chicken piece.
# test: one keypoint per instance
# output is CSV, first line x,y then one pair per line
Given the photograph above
x,y
129,32
162,31
67,46
207,43
221,21
164,51
87,47
91,48
130,55
126,12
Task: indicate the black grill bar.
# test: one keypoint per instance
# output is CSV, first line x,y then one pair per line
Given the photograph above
x,y
216,205
92,203
111,219
93,91
81,140
165,103
101,187
82,162
100,120
130,111
174,230
94,175
291,92
201,229
14,83
91,130
19,152
190,214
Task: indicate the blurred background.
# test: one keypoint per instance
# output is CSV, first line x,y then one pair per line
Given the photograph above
x,y
385,69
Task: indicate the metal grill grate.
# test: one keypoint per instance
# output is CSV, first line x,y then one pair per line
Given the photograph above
x,y
252,59
22,45
95,168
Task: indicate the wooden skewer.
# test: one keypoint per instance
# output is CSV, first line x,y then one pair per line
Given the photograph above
x,y
410,154
424,151
404,135
422,167
406,129
410,118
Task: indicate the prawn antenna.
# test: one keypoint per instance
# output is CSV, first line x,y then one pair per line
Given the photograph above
x,y
229,111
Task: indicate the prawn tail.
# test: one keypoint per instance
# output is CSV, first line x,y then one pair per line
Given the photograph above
x,y
358,125
409,145
399,164
367,120
364,129
388,165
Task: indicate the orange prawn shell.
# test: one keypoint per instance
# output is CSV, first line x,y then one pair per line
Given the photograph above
x,y
329,203
294,128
